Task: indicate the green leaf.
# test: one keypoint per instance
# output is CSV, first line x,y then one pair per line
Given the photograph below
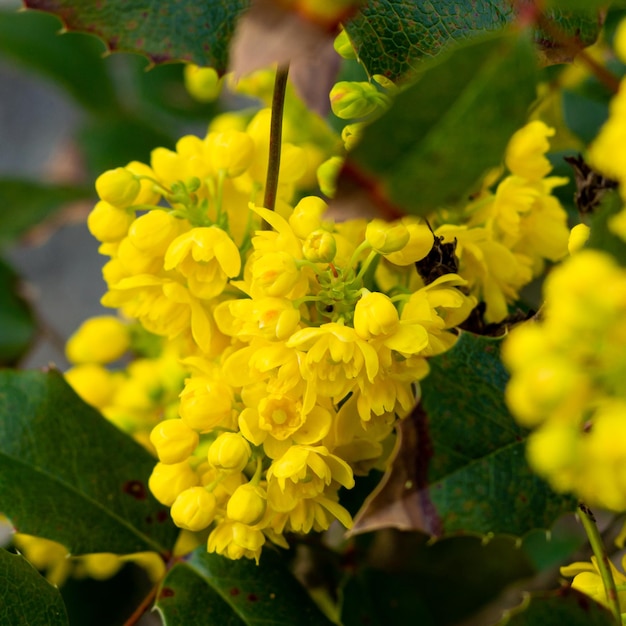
x,y
69,475
163,30
565,606
114,141
26,597
17,323
443,133
27,203
461,465
393,37
73,61
211,590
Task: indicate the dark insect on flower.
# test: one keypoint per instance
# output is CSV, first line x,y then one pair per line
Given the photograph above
x,y
440,260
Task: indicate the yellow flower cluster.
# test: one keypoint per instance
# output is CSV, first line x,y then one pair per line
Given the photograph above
x,y
568,372
134,397
504,237
298,363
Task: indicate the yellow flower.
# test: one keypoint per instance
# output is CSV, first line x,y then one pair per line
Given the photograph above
x,y
236,540
207,257
118,187
525,153
247,504
587,580
229,452
167,481
336,358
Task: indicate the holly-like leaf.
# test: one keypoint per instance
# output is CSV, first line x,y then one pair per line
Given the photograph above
x,y
69,475
443,133
74,61
26,597
17,323
163,30
211,590
393,37
461,463
27,203
565,606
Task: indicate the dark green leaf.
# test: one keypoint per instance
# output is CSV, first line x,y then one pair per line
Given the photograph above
x,y
73,61
69,475
461,465
601,237
27,203
565,606
17,323
163,30
444,132
377,598
211,590
26,597
393,37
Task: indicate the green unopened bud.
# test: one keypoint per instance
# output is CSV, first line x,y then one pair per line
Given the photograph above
x,y
230,452
247,504
319,247
118,187
386,237
343,46
327,174
351,134
349,100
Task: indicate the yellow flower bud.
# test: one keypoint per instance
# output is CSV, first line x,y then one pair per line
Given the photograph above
x,y
101,339
375,315
154,231
118,187
147,192
231,151
577,238
421,240
525,153
202,83
247,505
168,481
386,237
108,223
93,383
319,247
230,451
173,440
194,509
307,216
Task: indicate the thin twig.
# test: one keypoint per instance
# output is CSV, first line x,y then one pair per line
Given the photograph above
x,y
604,565
276,133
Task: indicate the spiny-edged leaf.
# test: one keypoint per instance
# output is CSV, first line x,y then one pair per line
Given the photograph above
x,y
565,606
393,37
27,203
601,237
211,590
26,597
442,134
17,323
461,463
163,30
69,475
73,61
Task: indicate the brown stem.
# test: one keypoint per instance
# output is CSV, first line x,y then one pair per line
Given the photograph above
x,y
276,132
